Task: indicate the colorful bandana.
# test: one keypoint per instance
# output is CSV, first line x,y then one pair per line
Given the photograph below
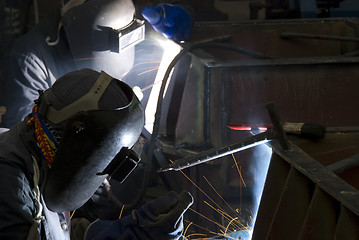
x,y
45,140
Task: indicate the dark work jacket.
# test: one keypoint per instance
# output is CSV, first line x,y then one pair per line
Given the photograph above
x,y
18,206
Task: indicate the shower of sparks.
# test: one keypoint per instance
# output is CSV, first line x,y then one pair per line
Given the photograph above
x,y
218,193
210,220
226,216
203,228
234,223
194,184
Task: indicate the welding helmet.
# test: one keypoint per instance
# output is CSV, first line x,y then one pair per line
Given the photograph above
x,y
101,34
101,119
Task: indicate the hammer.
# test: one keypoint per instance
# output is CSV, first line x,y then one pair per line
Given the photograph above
x,y
277,132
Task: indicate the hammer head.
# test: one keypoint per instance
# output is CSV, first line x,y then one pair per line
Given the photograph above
x,y
278,129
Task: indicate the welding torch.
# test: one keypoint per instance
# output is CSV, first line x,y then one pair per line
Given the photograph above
x,y
277,132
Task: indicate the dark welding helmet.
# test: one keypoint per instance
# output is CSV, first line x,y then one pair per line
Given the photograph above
x,y
102,34
101,119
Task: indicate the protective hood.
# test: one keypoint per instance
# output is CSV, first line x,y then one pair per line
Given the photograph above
x,y
99,127
102,34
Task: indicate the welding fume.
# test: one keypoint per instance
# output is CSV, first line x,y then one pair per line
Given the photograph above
x,y
74,124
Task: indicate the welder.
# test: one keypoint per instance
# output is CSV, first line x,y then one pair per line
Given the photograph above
x,y
95,34
54,160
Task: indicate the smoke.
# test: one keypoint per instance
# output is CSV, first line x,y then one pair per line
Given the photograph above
x,y
153,57
259,169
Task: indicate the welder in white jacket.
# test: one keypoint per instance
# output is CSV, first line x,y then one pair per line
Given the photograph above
x,y
96,34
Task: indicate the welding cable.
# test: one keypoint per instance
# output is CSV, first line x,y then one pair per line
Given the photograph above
x,y
213,42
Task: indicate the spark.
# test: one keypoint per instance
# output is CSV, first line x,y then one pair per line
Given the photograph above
x,y
220,210
72,214
203,228
212,221
185,231
140,50
83,59
123,206
198,187
147,62
224,214
147,71
195,234
225,232
217,193
239,171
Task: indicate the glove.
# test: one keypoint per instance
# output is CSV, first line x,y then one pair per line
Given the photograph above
x,y
164,216
161,218
172,21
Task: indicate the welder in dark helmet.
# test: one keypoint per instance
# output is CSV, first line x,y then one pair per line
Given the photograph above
x,y
96,34
80,132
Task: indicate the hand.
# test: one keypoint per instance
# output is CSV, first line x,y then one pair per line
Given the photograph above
x,y
161,218
172,21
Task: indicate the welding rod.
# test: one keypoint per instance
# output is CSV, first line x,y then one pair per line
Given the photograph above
x,y
220,151
276,133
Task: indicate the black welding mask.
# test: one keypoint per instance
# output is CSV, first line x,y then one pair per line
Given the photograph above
x,y
101,119
102,34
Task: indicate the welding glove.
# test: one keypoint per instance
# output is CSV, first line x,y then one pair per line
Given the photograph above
x,y
161,218
170,20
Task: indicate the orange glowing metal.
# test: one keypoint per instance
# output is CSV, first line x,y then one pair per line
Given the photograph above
x,y
249,126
